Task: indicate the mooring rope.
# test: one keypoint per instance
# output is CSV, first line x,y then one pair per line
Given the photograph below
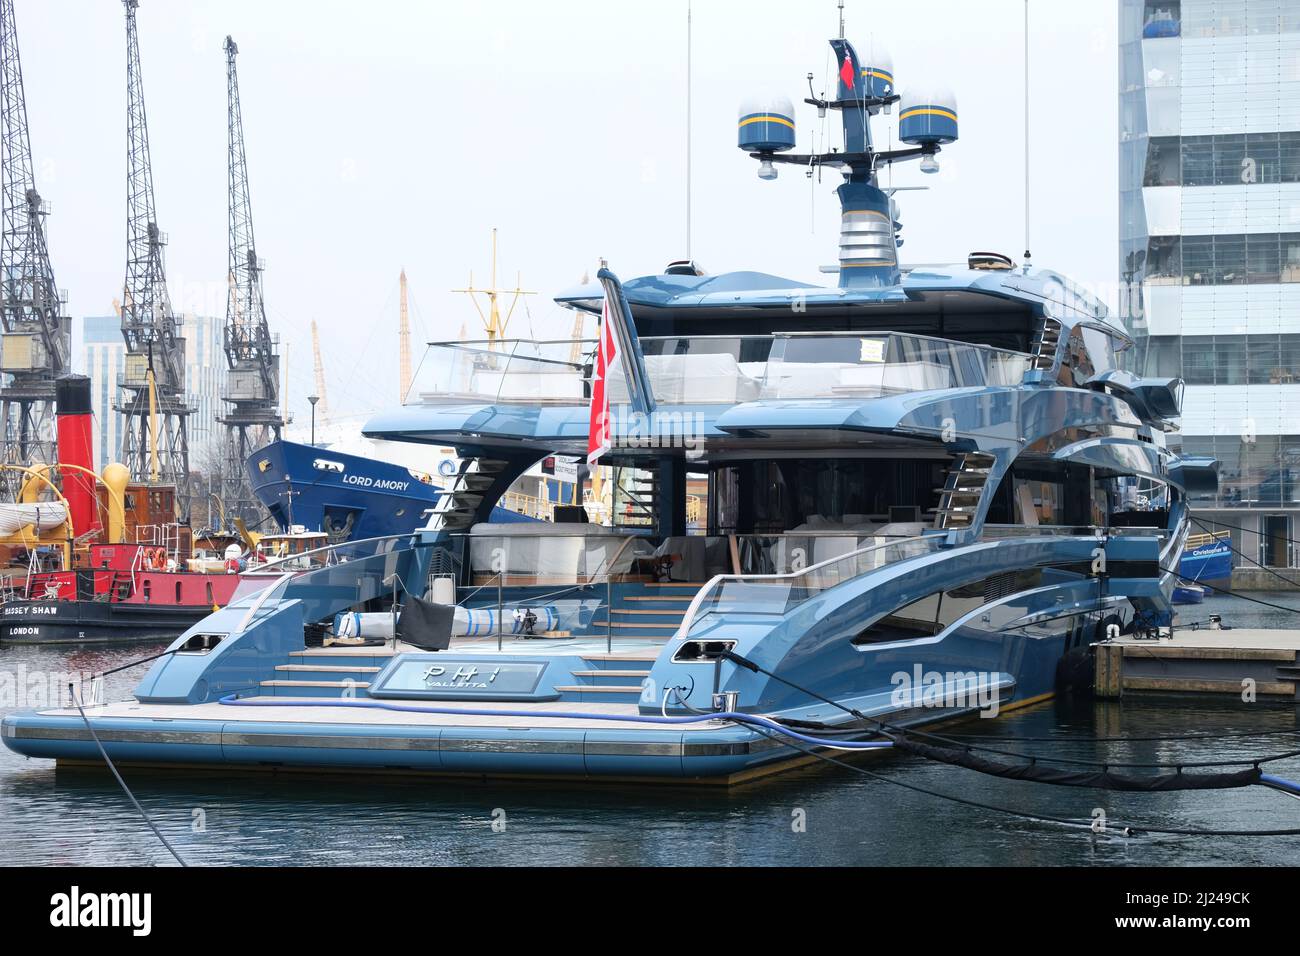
x,y
76,699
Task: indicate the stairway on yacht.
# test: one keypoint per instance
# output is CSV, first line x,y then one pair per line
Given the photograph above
x,y
346,672
645,615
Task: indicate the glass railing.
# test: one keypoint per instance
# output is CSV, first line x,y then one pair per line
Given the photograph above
x,y
858,365
325,556
718,370
995,532
507,371
778,594
537,556
263,585
553,556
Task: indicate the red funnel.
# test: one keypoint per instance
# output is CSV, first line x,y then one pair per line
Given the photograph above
x,y
76,447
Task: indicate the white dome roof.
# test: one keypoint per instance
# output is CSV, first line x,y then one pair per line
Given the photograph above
x,y
928,96
767,104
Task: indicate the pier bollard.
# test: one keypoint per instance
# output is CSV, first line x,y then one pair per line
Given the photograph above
x,y
1108,674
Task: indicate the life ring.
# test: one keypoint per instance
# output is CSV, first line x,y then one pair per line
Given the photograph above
x,y
159,559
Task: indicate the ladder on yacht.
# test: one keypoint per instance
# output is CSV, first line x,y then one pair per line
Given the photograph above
x,y
959,498
635,499
1045,343
463,494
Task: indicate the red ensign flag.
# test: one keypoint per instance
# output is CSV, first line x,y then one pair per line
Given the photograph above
x,y
600,431
848,75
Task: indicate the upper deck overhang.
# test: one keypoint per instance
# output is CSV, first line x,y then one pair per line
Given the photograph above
x,y
549,428
988,418
667,304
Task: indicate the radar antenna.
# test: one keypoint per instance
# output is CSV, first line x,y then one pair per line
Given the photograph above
x,y
869,229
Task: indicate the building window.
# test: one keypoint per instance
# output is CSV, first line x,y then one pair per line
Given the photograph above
x,y
1230,165
1164,260
1198,359
1229,260
1161,18
1262,259
1198,160
1265,364
1288,157
1230,159
1262,163
1164,162
1198,260
1223,359
1289,16
1223,260
1290,255
1230,362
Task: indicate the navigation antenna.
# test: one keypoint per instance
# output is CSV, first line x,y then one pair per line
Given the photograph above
x,y
688,128
1027,256
869,226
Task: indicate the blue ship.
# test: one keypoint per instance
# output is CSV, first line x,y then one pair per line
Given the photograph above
x,y
1206,566
346,496
916,512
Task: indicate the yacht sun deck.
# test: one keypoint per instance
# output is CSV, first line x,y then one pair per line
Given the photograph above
x,y
711,370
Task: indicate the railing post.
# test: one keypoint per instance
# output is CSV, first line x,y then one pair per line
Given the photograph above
x,y
609,615
501,624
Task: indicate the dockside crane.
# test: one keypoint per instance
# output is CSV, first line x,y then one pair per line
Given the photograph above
x,y
253,382
37,335
155,435
322,405
493,322
403,342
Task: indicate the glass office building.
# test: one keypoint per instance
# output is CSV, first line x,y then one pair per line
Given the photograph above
x,y
1210,243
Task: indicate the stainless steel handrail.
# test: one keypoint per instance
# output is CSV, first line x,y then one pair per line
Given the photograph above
x,y
269,567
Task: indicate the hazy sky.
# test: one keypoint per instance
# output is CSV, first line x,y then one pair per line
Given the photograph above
x,y
397,133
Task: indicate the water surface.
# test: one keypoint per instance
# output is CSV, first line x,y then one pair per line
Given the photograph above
x,y
820,816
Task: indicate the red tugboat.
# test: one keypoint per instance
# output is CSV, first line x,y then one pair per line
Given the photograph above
x,y
134,577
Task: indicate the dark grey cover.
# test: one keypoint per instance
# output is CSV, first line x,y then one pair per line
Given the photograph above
x,y
426,625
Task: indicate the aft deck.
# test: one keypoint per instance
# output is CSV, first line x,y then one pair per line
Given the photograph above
x,y
591,728
604,675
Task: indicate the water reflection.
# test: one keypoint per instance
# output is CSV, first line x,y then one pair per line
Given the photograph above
x,y
80,817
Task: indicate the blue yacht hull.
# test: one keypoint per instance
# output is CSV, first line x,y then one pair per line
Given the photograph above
x,y
571,708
